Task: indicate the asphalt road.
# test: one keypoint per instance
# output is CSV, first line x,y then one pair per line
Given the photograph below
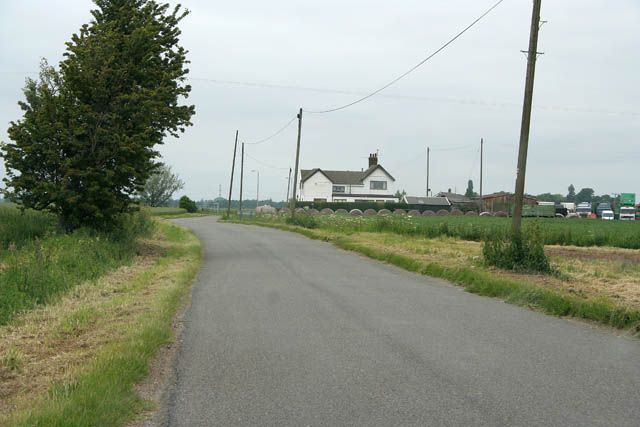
x,y
286,331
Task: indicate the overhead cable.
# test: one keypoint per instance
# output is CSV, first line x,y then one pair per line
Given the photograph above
x,y
415,67
278,132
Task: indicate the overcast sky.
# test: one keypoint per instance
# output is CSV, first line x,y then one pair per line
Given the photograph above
x,y
472,90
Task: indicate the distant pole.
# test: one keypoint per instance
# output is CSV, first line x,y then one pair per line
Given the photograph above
x,y
428,171
257,191
288,185
526,118
295,176
481,152
241,180
233,165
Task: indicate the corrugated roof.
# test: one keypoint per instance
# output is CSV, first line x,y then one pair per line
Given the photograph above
x,y
428,201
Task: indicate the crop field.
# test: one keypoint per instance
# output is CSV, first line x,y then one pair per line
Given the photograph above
x,y
553,231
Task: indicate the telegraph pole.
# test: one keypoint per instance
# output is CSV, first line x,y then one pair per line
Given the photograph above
x,y
288,185
481,150
526,118
233,165
428,171
241,180
295,176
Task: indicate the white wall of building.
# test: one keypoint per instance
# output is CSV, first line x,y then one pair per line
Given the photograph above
x,y
318,186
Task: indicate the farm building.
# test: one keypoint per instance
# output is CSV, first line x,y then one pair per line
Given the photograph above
x,y
373,184
460,201
427,203
503,201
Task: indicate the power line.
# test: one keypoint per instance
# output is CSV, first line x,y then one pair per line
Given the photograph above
x,y
263,163
406,73
278,132
493,104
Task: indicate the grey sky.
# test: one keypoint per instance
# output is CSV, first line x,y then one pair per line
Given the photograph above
x,y
473,89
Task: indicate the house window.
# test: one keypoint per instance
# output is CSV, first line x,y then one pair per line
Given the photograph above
x,y
319,200
338,188
378,185
340,200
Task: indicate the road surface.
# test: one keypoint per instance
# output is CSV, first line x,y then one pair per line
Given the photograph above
x,y
287,331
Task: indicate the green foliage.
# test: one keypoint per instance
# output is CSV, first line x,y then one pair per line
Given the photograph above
x,y
585,195
20,226
43,268
302,220
523,253
571,195
470,192
165,211
160,187
85,143
187,204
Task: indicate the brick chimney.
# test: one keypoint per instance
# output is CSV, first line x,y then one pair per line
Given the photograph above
x,y
373,159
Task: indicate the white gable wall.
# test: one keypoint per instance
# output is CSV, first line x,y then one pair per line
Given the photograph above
x,y
317,186
379,175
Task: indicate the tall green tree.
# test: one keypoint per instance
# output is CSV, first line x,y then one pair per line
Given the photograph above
x,y
571,195
585,195
117,96
470,192
160,187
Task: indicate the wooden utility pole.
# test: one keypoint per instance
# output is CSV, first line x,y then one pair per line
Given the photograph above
x,y
526,118
241,180
481,149
295,176
288,185
233,165
427,172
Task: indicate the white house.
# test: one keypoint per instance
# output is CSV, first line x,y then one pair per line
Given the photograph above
x,y
373,184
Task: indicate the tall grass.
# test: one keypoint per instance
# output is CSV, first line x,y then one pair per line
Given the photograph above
x,y
18,227
41,268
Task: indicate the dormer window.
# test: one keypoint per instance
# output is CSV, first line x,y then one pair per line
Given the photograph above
x,y
378,185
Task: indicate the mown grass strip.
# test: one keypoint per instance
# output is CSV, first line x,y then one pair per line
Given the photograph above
x,y
103,394
484,283
42,269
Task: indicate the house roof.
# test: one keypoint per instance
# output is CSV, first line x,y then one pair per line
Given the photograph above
x,y
455,198
343,177
428,201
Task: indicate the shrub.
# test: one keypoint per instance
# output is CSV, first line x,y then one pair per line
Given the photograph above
x,y
306,221
188,204
524,252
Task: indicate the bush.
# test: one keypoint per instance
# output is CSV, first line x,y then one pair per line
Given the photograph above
x,y
523,253
306,221
188,204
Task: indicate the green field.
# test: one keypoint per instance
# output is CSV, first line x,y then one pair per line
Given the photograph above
x,y
554,231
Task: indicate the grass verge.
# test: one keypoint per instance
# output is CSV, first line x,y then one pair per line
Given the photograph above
x,y
481,281
77,360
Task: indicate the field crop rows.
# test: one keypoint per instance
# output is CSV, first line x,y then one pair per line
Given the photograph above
x,y
554,231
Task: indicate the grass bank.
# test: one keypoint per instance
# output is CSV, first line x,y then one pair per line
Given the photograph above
x,y
49,262
75,362
459,261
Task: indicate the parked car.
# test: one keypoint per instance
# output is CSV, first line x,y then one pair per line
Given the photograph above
x,y
607,215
